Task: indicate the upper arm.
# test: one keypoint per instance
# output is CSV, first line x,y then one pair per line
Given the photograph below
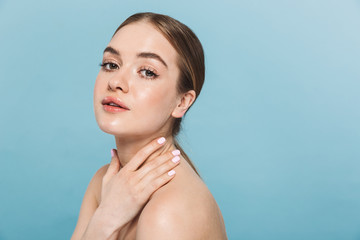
x,y
160,226
167,219
181,215
89,203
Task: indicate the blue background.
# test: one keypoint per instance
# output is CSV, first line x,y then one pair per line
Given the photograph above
x,y
275,132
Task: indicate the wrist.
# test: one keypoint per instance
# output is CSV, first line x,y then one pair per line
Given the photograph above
x,y
101,226
107,220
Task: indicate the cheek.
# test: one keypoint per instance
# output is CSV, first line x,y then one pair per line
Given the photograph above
x,y
100,87
157,102
97,86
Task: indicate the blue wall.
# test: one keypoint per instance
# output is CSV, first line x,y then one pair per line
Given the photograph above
x,y
275,132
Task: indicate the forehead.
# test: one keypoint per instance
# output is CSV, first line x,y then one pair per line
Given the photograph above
x,y
143,37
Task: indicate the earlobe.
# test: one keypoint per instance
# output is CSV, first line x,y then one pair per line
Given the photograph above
x,y
178,114
185,101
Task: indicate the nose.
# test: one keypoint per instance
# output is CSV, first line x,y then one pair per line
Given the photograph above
x,y
119,81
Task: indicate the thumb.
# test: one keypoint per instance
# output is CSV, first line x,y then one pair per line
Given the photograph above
x,y
114,166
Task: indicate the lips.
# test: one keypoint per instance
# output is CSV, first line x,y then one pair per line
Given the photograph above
x,y
115,102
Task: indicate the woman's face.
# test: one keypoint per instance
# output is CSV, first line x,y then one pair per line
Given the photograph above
x,y
139,70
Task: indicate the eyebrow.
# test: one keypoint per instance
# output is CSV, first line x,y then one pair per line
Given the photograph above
x,y
111,50
140,55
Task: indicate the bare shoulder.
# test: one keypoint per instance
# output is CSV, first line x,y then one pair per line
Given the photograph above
x,y
97,178
182,209
90,202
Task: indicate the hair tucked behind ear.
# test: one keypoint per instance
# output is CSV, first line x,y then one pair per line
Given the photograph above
x,y
191,61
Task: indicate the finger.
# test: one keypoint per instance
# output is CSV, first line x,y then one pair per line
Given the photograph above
x,y
160,172
158,182
144,153
158,162
114,166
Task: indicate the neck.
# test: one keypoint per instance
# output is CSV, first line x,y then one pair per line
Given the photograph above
x,y
127,148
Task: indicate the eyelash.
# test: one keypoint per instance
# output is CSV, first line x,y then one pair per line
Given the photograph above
x,y
147,69
102,65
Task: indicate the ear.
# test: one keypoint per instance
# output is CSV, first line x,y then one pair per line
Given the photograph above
x,y
185,100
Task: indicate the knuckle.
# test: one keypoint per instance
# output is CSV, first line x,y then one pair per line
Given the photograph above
x,y
154,144
158,171
162,159
170,155
151,147
142,154
155,185
171,163
131,179
125,176
134,180
152,164
137,195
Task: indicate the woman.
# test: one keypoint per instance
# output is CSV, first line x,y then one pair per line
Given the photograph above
x,y
152,71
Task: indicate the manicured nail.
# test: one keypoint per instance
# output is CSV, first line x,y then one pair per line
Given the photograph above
x,y
161,140
176,152
172,172
112,153
175,159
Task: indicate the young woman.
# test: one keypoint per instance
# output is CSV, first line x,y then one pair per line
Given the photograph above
x,y
151,73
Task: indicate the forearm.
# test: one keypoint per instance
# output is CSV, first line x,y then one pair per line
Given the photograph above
x,y
101,226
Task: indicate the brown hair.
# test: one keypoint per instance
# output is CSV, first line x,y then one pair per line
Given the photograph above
x,y
191,61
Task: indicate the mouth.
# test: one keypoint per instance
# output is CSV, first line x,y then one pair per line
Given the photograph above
x,y
114,103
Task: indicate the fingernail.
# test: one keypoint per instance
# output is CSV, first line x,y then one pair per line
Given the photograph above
x,y
161,140
172,172
176,152
175,159
112,153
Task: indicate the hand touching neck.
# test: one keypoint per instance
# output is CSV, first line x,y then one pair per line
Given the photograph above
x,y
126,148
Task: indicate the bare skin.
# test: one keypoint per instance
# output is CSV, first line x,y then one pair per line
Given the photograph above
x,y
184,208
135,197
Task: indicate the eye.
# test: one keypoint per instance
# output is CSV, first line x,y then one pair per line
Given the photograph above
x,y
148,73
108,66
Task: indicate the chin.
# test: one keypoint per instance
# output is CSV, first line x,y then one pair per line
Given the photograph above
x,y
111,128
119,129
129,127
131,131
